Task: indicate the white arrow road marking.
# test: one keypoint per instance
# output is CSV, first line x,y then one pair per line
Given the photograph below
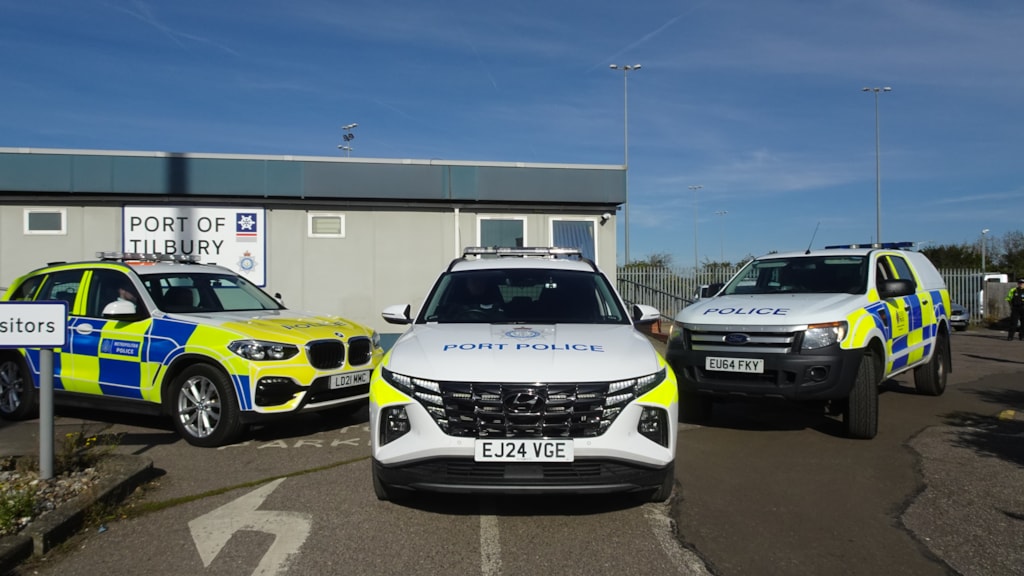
x,y
212,530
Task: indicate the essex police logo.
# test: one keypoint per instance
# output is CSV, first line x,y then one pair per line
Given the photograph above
x,y
522,333
247,263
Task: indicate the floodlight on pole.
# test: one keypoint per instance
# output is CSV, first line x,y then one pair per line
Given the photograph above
x,y
626,69
983,233
348,136
721,236
878,164
696,259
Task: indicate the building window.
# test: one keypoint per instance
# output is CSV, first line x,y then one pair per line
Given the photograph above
x,y
503,232
575,234
326,225
46,221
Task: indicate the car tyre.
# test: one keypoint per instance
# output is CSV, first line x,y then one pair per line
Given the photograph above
x,y
930,379
17,392
861,414
204,407
694,408
668,483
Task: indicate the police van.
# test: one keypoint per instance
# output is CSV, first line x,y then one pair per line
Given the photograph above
x,y
523,372
824,326
164,335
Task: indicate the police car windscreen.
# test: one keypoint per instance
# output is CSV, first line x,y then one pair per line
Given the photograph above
x,y
802,275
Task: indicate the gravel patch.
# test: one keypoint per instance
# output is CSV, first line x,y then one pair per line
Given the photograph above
x,y
17,480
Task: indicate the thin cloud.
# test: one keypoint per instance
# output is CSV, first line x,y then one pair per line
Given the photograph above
x,y
143,13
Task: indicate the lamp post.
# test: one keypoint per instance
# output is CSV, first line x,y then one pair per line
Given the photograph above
x,y
983,233
626,69
878,166
696,259
347,137
721,236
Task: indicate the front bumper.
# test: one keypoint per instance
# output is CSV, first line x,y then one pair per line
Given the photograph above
x,y
828,374
463,475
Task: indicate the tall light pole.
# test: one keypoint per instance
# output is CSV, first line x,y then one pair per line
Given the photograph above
x,y
696,259
878,166
721,236
348,136
626,69
983,232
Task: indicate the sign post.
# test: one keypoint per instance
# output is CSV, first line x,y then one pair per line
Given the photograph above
x,y
41,325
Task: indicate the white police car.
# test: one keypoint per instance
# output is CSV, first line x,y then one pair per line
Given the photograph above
x,y
826,325
523,373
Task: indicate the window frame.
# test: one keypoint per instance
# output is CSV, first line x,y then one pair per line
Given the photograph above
x,y
63,212
311,216
503,217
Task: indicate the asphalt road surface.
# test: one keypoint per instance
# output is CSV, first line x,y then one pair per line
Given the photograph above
x,y
762,489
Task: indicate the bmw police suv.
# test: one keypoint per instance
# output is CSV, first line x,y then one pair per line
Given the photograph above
x,y
523,372
157,334
822,326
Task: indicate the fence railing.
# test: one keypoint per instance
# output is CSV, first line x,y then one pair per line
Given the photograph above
x,y
670,290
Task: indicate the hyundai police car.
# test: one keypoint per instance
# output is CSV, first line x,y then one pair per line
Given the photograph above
x,y
155,334
827,325
523,373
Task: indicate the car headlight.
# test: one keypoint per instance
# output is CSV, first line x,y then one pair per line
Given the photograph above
x,y
625,391
821,335
261,350
677,335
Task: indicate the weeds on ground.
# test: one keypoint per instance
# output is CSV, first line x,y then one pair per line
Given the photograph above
x,y
20,494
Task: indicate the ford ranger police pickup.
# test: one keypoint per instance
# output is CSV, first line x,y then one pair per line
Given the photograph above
x,y
826,325
523,372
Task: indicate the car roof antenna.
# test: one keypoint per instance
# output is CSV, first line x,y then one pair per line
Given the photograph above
x,y
812,237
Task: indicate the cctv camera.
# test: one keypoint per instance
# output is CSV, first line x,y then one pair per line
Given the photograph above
x,y
605,217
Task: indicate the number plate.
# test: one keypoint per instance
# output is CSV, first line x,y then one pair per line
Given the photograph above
x,y
523,451
350,379
747,365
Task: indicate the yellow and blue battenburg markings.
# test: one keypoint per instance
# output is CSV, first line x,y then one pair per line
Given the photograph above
x,y
128,360
921,329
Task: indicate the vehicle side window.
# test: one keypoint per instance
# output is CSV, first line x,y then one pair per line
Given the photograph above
x,y
27,289
62,285
903,271
107,286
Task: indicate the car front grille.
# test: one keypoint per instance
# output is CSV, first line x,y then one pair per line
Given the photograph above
x,y
360,351
326,354
751,339
524,410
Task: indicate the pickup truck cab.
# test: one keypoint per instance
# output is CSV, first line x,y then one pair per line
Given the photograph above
x,y
826,325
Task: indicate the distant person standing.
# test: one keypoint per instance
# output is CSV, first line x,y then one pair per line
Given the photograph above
x,y
1016,300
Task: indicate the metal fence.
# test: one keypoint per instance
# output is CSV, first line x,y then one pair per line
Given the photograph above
x,y
670,290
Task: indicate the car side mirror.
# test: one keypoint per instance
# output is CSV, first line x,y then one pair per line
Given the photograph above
x,y
896,288
644,314
397,314
121,310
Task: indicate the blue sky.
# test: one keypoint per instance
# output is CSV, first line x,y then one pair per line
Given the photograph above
x,y
760,103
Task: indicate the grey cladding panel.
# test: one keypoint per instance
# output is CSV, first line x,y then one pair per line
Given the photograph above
x,y
350,180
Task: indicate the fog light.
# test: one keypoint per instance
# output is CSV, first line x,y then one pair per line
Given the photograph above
x,y
817,373
394,424
654,425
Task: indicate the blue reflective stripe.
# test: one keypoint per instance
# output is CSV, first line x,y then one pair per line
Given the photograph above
x,y
112,370
86,344
243,391
32,355
168,339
